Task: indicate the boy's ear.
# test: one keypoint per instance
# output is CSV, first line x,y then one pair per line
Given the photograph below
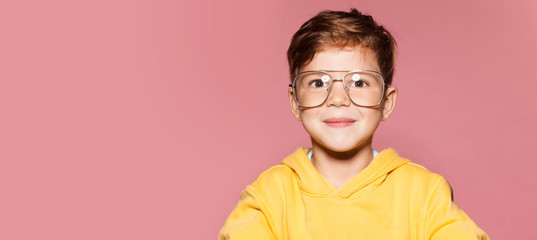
x,y
295,109
389,102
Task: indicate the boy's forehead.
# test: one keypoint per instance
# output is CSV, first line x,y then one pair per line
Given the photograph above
x,y
347,58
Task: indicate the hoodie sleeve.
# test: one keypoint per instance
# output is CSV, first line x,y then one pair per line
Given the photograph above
x,y
249,220
445,220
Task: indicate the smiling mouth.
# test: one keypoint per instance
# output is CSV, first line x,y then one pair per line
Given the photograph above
x,y
339,122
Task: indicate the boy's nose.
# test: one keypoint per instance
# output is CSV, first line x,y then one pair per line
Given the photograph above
x,y
338,96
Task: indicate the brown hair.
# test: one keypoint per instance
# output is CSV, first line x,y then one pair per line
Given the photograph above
x,y
342,29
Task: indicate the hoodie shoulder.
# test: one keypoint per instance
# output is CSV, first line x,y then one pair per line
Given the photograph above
x,y
286,172
278,179
417,170
276,174
417,176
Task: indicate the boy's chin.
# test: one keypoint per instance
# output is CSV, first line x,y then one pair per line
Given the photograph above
x,y
341,148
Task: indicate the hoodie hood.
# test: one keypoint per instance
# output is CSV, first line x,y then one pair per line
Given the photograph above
x,y
370,178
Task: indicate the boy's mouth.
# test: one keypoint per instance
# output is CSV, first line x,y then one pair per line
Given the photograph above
x,y
339,122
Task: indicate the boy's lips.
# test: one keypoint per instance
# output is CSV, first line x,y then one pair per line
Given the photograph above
x,y
339,122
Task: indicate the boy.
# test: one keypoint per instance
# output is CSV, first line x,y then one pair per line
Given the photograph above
x,y
341,66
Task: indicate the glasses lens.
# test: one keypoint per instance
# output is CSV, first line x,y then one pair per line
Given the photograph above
x,y
365,88
311,88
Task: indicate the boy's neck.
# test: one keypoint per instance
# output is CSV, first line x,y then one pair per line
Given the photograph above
x,y
340,167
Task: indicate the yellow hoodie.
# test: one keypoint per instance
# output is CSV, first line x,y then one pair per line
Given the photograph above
x,y
391,198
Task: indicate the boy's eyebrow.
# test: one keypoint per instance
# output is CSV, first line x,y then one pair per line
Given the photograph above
x,y
350,70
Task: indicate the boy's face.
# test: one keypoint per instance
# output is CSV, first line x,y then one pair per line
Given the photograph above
x,y
339,125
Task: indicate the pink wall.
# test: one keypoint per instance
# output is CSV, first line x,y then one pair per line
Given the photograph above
x,y
145,119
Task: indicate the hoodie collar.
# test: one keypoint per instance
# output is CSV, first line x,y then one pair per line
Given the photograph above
x,y
312,182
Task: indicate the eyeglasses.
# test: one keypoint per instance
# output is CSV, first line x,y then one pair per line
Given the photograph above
x,y
364,87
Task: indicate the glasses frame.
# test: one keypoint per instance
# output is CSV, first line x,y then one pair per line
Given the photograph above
x,y
332,80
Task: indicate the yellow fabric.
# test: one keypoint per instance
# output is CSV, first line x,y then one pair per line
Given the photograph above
x,y
390,199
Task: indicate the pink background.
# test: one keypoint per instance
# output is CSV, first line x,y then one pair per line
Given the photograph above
x,y
145,119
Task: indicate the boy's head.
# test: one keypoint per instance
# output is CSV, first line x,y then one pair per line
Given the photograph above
x,y
335,29
341,66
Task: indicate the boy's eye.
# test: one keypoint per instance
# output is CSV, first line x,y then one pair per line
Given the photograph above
x,y
359,83
318,83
